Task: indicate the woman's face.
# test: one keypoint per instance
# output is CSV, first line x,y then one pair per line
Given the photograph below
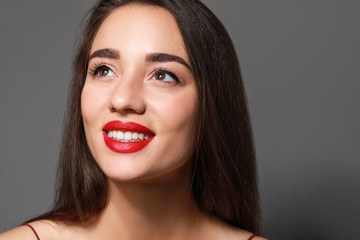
x,y
139,98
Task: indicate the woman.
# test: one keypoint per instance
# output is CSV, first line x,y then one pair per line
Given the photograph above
x,y
157,142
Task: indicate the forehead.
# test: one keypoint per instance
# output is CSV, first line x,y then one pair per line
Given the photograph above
x,y
138,29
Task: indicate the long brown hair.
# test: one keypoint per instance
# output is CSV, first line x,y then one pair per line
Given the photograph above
x,y
224,181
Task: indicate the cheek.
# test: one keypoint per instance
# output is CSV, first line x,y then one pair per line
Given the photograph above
x,y
177,113
181,114
91,104
92,107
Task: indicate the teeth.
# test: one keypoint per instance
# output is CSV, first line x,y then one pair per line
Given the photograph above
x,y
135,135
128,136
119,135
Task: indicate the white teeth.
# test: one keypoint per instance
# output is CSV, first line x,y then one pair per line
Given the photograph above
x,y
119,135
127,136
135,135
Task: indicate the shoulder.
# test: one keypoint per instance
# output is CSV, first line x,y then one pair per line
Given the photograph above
x,y
221,230
18,233
45,229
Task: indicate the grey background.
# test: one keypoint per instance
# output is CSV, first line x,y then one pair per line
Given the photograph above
x,y
301,65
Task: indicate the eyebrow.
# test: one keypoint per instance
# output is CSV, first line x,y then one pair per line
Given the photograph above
x,y
152,57
106,53
164,57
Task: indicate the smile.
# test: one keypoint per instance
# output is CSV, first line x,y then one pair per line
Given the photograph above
x,y
126,137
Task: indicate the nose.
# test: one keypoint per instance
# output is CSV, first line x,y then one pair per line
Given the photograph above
x,y
127,96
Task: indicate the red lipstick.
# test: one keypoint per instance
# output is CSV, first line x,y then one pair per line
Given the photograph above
x,y
130,146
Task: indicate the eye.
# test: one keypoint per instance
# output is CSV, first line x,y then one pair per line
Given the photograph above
x,y
165,76
103,71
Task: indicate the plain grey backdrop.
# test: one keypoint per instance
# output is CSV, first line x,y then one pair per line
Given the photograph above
x,y
301,66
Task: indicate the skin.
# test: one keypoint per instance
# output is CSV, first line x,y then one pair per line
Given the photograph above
x,y
130,92
149,193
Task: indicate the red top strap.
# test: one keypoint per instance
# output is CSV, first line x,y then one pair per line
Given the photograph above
x,y
26,224
255,235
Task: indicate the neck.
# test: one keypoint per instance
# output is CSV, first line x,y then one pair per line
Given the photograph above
x,y
159,208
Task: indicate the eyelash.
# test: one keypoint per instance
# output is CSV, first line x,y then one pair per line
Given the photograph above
x,y
94,69
167,71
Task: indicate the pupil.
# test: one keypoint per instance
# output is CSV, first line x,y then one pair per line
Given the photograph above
x,y
104,72
160,76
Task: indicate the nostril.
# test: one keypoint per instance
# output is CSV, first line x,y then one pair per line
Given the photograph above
x,y
112,109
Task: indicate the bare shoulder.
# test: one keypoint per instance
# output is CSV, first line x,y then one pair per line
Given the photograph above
x,y
222,230
18,233
45,229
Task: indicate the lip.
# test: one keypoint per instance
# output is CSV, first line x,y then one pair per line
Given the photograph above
x,y
126,147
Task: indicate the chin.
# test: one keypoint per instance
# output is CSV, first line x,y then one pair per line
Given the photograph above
x,y
133,173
